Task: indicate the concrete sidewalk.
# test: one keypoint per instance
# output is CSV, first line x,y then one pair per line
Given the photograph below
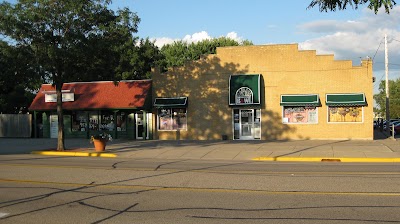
x,y
383,149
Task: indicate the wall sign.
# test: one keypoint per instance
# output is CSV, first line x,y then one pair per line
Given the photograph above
x,y
52,98
244,95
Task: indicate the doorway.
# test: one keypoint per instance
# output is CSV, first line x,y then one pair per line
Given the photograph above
x,y
247,124
139,116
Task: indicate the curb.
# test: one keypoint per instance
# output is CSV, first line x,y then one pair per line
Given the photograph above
x,y
82,154
329,159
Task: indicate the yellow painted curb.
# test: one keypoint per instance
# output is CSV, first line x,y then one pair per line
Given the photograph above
x,y
328,159
88,154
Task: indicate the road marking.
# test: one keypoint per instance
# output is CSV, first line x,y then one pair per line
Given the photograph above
x,y
220,190
3,214
205,170
322,159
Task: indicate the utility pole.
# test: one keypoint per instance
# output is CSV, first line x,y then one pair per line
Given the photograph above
x,y
387,84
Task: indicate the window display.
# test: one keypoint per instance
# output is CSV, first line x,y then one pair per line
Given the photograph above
x,y
345,114
121,121
172,119
94,121
79,121
107,121
300,114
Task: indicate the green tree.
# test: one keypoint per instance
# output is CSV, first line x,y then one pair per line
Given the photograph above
x,y
332,5
177,53
18,79
137,59
394,99
64,36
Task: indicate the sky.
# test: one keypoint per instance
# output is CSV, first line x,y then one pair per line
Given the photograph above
x,y
350,34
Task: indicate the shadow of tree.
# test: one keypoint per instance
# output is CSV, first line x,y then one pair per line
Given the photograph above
x,y
206,84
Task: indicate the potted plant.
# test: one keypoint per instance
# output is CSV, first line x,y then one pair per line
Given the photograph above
x,y
100,141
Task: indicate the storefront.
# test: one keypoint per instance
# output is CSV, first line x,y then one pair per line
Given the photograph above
x,y
269,92
244,99
122,110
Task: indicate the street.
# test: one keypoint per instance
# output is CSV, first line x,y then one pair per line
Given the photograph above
x,y
93,190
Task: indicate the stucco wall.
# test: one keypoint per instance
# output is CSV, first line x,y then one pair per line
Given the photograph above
x,y
284,70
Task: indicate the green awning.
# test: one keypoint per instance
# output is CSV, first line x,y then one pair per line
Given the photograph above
x,y
346,99
244,89
171,102
300,100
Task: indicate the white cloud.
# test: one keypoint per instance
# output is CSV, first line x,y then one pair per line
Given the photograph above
x,y
352,40
159,42
196,37
192,38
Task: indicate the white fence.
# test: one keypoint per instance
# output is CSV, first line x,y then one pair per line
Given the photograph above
x,y
15,125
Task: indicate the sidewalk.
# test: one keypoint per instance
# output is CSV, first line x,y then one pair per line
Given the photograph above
x,y
382,149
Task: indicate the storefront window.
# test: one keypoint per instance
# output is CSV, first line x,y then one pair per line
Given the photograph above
x,y
121,121
107,121
345,114
79,121
172,119
300,115
93,121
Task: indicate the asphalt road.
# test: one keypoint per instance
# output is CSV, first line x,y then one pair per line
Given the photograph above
x,y
38,189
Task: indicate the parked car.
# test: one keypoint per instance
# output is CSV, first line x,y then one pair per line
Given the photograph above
x,y
393,122
396,129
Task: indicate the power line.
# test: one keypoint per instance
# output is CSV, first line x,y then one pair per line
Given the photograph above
x,y
379,80
396,40
377,50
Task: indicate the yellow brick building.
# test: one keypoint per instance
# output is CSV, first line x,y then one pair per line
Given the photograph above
x,y
269,92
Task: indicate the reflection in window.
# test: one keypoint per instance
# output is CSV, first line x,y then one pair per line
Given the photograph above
x,y
172,119
300,114
345,114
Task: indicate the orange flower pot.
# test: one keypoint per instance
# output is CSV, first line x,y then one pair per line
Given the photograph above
x,y
99,145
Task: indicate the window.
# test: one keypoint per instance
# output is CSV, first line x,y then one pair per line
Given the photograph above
x,y
300,115
121,121
93,121
172,119
345,114
107,121
79,121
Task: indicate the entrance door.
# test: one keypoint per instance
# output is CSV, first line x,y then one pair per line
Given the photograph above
x,y
139,124
246,124
246,120
53,126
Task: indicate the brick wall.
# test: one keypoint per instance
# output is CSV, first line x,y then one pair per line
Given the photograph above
x,y
284,70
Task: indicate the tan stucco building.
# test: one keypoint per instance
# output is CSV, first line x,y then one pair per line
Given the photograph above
x,y
270,92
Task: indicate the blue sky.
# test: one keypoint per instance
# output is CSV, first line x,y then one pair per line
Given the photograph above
x,y
349,35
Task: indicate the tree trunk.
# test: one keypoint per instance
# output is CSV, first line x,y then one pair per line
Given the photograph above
x,y
60,142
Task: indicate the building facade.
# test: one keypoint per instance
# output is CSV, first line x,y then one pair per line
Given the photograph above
x,y
271,92
122,110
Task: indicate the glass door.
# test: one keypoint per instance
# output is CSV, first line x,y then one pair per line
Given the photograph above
x,y
246,124
139,125
246,120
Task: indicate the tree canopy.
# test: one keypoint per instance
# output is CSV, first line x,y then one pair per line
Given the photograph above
x,y
17,78
70,40
333,5
177,53
394,99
